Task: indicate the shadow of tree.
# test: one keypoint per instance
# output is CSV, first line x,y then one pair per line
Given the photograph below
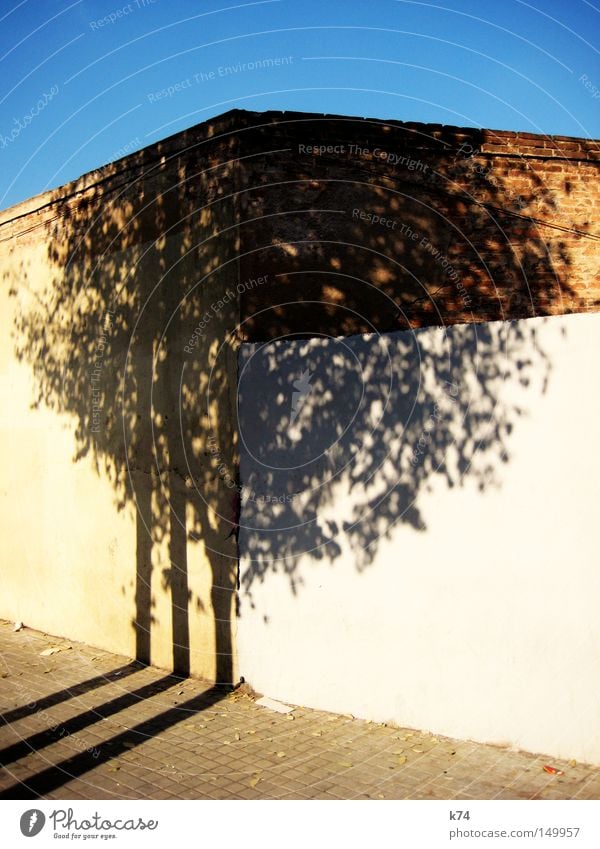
x,y
383,415
134,262
360,262
159,270
47,780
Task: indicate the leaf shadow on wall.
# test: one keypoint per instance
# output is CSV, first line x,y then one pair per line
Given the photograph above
x,y
135,268
382,417
132,267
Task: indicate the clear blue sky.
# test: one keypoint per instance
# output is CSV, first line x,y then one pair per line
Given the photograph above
x,y
502,64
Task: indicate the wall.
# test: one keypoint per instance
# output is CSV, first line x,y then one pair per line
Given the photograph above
x,y
117,525
57,564
474,225
420,545
125,296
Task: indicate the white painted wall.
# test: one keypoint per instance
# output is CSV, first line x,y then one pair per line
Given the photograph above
x,y
476,615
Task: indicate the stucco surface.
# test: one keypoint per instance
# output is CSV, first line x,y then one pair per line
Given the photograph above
x,y
466,604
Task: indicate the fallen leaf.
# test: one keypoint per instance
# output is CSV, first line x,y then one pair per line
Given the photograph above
x,y
54,650
281,754
417,750
553,771
346,764
573,762
254,780
402,759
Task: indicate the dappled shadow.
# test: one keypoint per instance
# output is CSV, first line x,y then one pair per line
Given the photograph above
x,y
133,333
381,416
341,436
132,264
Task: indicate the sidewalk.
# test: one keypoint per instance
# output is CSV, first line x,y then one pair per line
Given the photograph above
x,y
79,723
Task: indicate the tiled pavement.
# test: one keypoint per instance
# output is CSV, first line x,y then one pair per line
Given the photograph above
x,y
84,724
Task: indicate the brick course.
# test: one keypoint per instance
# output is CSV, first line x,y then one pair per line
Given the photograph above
x,y
510,213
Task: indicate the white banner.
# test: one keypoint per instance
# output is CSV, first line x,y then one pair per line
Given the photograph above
x,y
290,824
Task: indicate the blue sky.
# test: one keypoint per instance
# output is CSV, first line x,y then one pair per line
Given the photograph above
x,y
83,82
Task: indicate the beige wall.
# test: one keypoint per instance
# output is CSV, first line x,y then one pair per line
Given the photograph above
x,y
115,520
466,612
57,564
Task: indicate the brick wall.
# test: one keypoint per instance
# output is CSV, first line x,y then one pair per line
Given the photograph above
x,y
476,225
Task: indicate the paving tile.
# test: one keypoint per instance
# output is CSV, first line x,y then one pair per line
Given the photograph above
x,y
105,702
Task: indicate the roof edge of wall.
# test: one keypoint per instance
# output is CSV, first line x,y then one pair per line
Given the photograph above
x,y
420,135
